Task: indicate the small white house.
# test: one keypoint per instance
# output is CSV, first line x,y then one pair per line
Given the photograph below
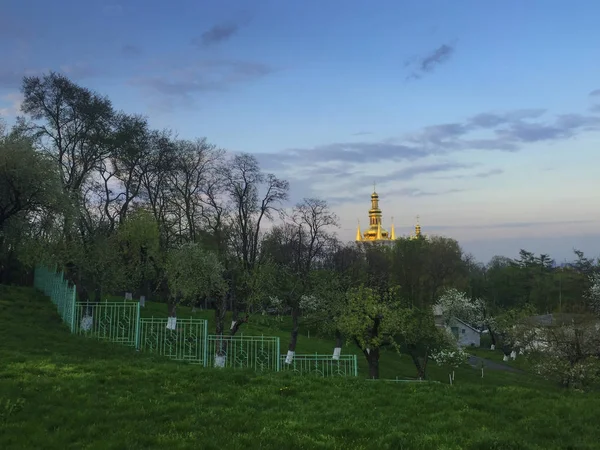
x,y
465,334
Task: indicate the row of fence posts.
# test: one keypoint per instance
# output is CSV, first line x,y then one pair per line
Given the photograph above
x,y
180,339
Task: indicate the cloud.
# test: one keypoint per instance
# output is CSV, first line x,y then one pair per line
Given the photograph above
x,y
488,173
349,152
491,120
131,51
417,192
407,192
203,76
595,108
362,133
509,225
426,64
217,34
13,102
336,170
565,126
595,93
410,172
506,132
484,174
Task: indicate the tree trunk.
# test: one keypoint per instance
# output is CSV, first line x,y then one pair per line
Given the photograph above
x,y
172,306
220,311
339,340
146,289
220,343
492,337
293,336
337,351
236,324
373,360
97,295
420,365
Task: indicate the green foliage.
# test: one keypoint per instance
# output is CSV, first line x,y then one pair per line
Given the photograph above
x,y
509,325
419,337
139,244
424,267
371,318
193,273
29,181
324,309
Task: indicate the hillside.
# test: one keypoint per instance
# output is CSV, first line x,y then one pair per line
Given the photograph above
x,y
63,391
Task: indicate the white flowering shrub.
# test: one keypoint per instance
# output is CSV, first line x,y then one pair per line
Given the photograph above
x,y
450,357
272,304
578,375
568,354
275,302
309,304
593,294
454,303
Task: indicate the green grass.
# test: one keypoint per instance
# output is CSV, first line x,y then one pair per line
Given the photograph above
x,y
59,391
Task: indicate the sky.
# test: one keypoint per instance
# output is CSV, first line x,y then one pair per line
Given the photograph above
x,y
480,117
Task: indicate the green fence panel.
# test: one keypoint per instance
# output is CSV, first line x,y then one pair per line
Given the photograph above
x,y
112,321
260,353
187,342
120,322
322,365
54,285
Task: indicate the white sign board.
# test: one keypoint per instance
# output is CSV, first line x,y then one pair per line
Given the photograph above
x,y
86,323
171,323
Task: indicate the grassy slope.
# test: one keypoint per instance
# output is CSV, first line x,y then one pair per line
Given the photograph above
x,y
63,391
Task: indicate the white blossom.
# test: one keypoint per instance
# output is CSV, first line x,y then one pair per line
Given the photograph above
x,y
309,303
450,358
454,303
593,294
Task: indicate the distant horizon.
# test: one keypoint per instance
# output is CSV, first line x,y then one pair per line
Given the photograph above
x,y
482,118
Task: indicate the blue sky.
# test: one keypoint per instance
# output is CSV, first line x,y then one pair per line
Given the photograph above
x,y
482,117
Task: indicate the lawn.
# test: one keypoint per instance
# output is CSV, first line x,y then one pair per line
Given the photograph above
x,y
59,391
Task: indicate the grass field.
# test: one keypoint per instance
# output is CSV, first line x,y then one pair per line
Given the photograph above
x,y
59,391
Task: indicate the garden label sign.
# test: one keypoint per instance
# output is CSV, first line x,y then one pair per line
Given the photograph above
x,y
171,323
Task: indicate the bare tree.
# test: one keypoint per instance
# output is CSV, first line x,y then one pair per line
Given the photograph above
x,y
76,128
314,220
194,160
254,197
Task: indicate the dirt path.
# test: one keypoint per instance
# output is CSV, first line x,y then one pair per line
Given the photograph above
x,y
475,361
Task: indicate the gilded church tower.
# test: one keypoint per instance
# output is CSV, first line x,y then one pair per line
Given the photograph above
x,y
375,232
418,234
